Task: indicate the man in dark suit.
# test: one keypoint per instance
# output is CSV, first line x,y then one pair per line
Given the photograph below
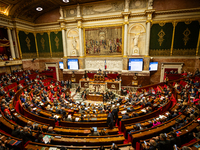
x,y
175,139
115,114
110,121
16,132
164,144
26,135
153,145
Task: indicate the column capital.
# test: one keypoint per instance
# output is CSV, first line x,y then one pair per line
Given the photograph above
x,y
9,28
63,28
126,13
78,18
149,21
150,11
79,24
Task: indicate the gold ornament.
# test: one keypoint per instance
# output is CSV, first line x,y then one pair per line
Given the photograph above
x,y
28,43
161,34
186,33
42,42
57,42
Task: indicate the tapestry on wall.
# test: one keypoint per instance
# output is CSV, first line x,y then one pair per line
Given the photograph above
x,y
56,44
103,41
161,39
27,44
43,44
186,38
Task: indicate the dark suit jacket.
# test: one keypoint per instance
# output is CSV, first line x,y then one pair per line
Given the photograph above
x,y
165,145
175,140
26,136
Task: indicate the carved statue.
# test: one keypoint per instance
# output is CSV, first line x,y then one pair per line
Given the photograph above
x,y
135,43
61,12
150,5
127,2
78,11
135,39
74,43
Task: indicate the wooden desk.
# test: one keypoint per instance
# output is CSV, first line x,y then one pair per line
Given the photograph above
x,y
34,145
116,85
95,97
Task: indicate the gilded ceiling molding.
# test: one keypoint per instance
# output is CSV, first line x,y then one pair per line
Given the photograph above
x,y
187,21
177,11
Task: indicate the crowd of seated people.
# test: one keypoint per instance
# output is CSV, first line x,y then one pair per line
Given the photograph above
x,y
55,98
188,105
5,57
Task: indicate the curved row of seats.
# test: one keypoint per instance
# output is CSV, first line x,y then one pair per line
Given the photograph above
x,y
66,126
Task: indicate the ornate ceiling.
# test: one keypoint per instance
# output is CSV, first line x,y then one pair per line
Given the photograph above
x,y
26,9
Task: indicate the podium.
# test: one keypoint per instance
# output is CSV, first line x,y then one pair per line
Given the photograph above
x,y
99,77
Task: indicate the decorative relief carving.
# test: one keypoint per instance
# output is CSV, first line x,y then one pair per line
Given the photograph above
x,y
42,43
186,34
161,34
136,39
136,4
28,43
102,8
57,42
96,64
73,42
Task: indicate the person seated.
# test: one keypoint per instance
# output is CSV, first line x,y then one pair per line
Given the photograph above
x,y
163,143
196,83
192,89
197,135
175,140
125,116
50,130
93,133
40,139
184,73
197,72
152,145
16,131
29,125
26,135
114,147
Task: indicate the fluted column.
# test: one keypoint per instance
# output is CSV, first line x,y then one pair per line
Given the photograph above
x,y
64,43
11,43
148,27
149,14
16,46
80,30
126,13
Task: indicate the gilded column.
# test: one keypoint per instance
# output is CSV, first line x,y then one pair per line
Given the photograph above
x,y
147,43
172,44
80,30
126,13
16,46
148,30
64,43
11,43
50,43
36,44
